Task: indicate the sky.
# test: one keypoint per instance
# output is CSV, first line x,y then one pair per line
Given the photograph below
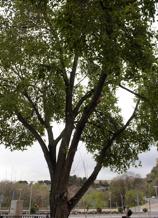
x,y
30,164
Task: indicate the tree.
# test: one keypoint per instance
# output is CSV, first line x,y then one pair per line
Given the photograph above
x,y
61,63
94,199
134,198
128,190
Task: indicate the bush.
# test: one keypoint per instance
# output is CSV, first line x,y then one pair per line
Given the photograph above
x,y
120,209
34,209
99,210
145,210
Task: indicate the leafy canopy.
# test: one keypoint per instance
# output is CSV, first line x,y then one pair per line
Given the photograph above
x,y
52,56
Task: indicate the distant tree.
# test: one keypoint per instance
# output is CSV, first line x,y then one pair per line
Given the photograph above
x,y
6,189
152,182
61,63
153,175
40,195
47,182
121,188
134,198
23,182
16,190
94,199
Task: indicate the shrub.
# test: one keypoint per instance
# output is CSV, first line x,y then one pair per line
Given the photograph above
x,y
120,209
99,210
145,210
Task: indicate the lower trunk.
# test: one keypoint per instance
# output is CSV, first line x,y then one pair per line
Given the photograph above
x,y
59,205
61,211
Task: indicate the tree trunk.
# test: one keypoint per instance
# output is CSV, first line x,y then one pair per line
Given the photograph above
x,y
59,207
61,210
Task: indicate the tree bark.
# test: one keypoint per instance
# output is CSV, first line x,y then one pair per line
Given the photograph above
x,y
61,211
59,207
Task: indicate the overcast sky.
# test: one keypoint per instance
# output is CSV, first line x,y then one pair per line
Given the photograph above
x,y
30,165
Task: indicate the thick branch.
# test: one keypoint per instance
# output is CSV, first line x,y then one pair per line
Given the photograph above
x,y
117,134
69,90
79,104
69,119
59,137
74,200
85,116
73,72
37,137
52,147
60,166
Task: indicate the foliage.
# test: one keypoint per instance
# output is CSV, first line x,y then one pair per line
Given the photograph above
x,y
76,180
153,175
145,210
14,190
132,188
124,190
120,209
94,199
134,197
34,74
34,209
62,62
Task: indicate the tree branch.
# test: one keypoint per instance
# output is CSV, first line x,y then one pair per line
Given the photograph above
x,y
73,72
132,92
117,133
129,120
52,147
66,134
85,116
85,97
53,32
41,120
37,137
69,90
76,86
74,200
59,137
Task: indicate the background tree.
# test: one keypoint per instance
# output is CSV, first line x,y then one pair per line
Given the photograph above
x,y
94,199
124,190
134,198
61,63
